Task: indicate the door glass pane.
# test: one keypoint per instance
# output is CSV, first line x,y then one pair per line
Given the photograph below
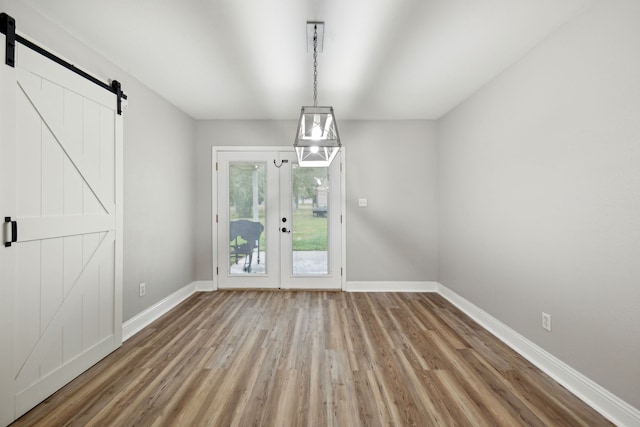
x,y
247,218
310,194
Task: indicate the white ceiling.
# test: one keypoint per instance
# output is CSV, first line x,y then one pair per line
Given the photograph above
x,y
247,59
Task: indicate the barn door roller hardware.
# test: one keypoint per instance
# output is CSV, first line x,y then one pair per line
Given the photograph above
x,y
8,28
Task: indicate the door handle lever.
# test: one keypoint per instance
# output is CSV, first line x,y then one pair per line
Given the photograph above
x,y
284,230
14,231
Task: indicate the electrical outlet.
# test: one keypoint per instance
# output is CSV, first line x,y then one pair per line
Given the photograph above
x,y
546,321
362,203
143,289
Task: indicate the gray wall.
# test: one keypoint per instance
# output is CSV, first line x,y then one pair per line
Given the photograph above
x,y
540,196
395,238
159,210
159,171
394,165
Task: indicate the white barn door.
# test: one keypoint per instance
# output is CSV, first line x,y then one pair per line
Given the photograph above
x,y
61,294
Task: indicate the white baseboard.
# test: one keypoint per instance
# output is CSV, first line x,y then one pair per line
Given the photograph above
x,y
612,407
145,318
391,286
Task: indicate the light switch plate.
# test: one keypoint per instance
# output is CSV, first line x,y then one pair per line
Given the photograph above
x,y
546,321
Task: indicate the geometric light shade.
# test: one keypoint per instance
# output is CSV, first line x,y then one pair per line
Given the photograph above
x,y
317,140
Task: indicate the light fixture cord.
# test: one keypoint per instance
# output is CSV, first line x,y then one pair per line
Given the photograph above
x,y
315,65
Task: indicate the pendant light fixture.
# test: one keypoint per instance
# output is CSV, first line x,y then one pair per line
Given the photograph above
x,y
317,140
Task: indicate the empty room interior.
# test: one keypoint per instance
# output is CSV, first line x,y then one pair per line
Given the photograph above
x,y
458,244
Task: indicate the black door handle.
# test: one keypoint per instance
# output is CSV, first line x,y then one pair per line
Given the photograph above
x,y
14,231
284,230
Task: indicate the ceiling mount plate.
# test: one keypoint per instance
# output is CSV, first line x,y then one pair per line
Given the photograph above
x,y
311,25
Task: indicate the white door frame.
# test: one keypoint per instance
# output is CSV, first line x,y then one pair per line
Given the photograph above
x,y
341,157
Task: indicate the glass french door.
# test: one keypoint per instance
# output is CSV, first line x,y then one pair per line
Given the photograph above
x,y
278,224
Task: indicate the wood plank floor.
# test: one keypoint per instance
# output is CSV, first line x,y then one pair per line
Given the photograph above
x,y
251,358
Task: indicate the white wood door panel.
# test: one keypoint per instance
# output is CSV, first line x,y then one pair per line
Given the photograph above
x,y
54,359
33,317
91,309
73,188
31,396
70,131
52,176
90,243
28,157
32,62
107,155
91,133
106,293
27,314
76,322
52,276
52,95
80,141
64,188
72,261
69,320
